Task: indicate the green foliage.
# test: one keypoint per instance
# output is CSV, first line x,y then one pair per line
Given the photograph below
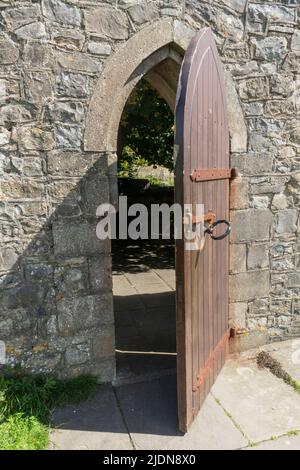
x,y
26,403
154,181
21,432
146,131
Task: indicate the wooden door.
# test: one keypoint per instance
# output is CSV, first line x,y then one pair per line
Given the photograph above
x,y
202,176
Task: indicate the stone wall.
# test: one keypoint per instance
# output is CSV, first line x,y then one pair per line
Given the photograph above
x,y
56,301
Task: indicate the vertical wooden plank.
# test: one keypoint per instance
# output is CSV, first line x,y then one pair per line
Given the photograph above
x,y
202,278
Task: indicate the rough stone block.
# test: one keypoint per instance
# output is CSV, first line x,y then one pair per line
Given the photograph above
x,y
279,201
259,323
295,44
248,340
285,221
6,328
239,197
237,315
259,307
280,107
20,15
25,295
254,108
67,38
63,163
282,84
237,5
77,354
8,258
293,279
270,48
103,343
249,285
237,258
251,224
107,22
95,191
260,13
71,239
292,62
70,281
258,256
238,130
253,88
252,163
66,111
34,30
143,12
66,191
57,10
9,52
35,138
4,136
73,85
99,48
104,369
260,202
78,62
17,188
38,55
17,113
81,313
38,86
100,273
284,264
268,184
69,137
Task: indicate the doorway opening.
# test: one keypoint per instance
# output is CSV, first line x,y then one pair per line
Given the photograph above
x,y
144,269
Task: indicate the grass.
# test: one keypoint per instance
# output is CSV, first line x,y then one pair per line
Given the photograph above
x,y
264,359
154,181
293,432
26,404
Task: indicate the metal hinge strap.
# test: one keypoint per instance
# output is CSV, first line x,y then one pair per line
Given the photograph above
x,y
220,347
209,174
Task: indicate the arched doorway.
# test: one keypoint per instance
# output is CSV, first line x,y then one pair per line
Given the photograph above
x,y
144,268
143,54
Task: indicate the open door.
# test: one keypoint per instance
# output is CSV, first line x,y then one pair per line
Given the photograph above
x,y
202,176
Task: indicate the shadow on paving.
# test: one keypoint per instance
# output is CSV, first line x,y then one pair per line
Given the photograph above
x,y
142,255
148,408
145,335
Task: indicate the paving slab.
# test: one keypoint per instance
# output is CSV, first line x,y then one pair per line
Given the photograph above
x,y
140,367
282,443
150,411
95,424
168,276
262,405
288,354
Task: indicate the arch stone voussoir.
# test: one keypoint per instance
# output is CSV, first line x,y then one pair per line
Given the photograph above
x,y
123,70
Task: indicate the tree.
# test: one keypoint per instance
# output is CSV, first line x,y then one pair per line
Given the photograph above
x,y
146,131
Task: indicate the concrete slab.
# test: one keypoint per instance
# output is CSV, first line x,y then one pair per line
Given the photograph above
x,y
94,424
140,367
150,411
288,354
263,405
282,443
168,276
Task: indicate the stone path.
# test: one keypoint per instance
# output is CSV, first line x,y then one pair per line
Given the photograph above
x,y
144,306
248,408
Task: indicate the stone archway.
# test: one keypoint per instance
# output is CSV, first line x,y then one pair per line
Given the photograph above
x,y
154,53
138,57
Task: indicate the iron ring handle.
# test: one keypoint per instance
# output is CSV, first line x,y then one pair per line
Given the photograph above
x,y
214,224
